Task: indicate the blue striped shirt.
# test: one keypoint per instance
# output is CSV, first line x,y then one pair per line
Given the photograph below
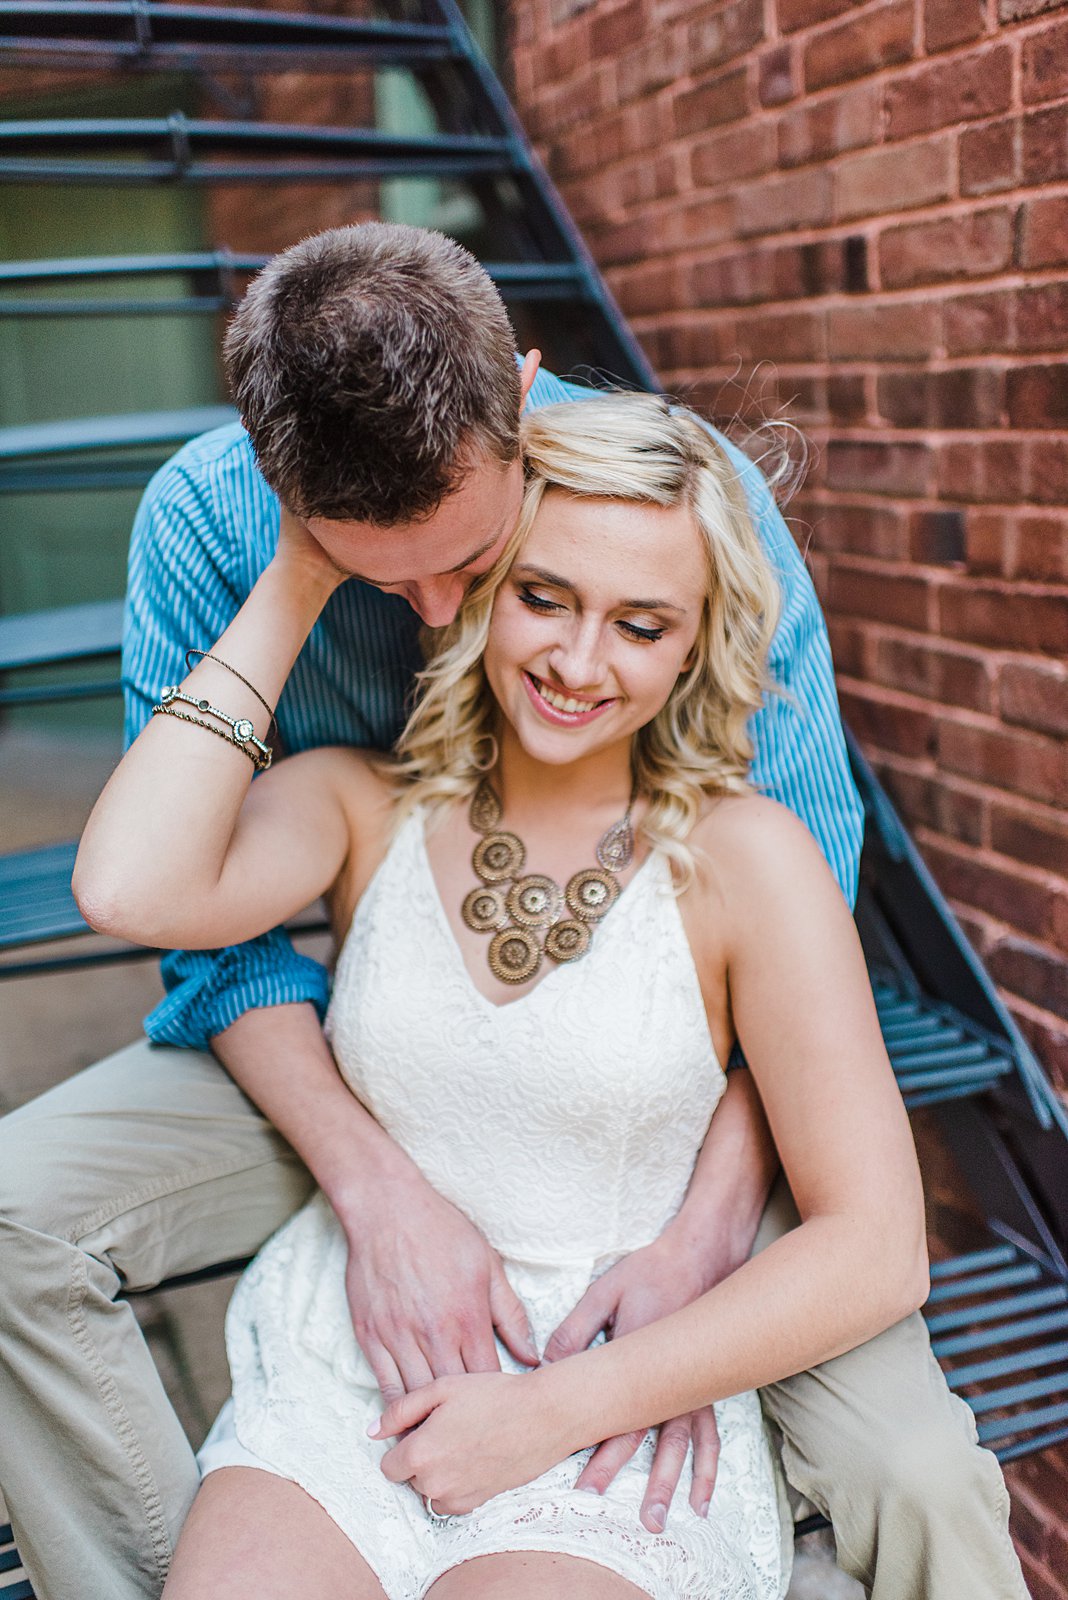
x,y
206,529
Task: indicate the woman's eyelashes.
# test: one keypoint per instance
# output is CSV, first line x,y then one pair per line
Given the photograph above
x,y
538,602
649,634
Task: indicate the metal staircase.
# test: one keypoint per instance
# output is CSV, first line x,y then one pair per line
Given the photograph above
x,y
999,1313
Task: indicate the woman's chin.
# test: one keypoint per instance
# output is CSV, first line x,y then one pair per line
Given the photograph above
x,y
555,746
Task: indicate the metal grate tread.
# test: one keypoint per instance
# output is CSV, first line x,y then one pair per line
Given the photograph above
x,y
68,633
124,431
215,282
36,904
37,907
996,1347
10,1562
936,1053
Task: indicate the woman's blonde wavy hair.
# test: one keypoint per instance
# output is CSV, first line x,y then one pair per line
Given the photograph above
x,y
643,449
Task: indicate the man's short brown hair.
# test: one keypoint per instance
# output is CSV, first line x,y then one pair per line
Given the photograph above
x,y
373,366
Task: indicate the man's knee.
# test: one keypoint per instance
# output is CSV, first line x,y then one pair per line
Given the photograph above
x,y
923,1465
93,1144
32,1158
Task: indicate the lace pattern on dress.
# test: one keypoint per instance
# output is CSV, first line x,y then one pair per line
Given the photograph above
x,y
566,1125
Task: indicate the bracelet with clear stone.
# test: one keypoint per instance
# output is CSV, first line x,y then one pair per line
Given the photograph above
x,y
242,731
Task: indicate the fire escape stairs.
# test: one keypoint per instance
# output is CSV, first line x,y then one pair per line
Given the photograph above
x,y
998,1314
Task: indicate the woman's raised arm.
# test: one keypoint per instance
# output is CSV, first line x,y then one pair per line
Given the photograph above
x,y
179,849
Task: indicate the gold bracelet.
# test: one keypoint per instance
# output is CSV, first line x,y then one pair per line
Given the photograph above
x,y
205,655
183,716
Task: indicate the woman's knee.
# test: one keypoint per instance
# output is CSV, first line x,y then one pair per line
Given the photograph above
x,y
529,1575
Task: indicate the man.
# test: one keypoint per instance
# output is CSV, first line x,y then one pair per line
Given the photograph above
x,y
375,374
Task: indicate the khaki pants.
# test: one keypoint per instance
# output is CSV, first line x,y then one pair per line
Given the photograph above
x,y
153,1163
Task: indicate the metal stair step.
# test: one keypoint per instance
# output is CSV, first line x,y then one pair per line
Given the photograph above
x,y
127,430
175,37
936,1053
1011,1362
11,1562
217,283
68,633
146,149
37,907
84,452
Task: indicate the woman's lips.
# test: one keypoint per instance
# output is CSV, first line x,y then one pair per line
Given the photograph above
x,y
551,713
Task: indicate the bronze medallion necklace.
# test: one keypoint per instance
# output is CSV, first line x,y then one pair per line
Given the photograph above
x,y
529,915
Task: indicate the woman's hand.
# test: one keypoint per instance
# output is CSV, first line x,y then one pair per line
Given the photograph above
x,y
474,1436
649,1284
299,550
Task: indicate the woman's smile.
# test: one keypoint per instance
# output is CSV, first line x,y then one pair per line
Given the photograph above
x,y
561,706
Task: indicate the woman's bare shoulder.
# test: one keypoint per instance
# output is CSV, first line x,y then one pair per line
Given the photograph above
x,y
353,784
738,834
754,857
358,777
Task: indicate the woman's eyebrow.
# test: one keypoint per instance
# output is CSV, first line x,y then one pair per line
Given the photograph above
x,y
650,605
553,579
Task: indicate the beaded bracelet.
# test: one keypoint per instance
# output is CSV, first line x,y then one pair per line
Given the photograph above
x,y
242,733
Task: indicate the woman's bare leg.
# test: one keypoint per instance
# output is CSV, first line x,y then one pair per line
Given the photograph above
x,y
531,1575
252,1536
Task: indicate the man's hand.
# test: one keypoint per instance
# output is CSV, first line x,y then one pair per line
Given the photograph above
x,y
426,1292
425,1289
643,1287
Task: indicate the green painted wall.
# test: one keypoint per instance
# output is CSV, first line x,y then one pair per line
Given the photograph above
x,y
58,548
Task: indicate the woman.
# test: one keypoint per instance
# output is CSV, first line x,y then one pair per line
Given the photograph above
x,y
579,739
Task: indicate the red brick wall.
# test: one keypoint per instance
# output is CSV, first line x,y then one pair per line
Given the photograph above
x,y
860,212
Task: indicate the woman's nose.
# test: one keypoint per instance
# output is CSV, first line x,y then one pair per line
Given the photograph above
x,y
577,659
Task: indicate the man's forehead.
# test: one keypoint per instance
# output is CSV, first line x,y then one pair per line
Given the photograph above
x,y
464,528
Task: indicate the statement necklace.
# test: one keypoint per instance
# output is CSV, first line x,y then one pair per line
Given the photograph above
x,y
531,916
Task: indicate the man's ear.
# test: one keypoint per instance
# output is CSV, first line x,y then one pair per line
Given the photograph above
x,y
531,363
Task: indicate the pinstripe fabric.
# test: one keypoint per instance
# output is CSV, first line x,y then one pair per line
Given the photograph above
x,y
205,530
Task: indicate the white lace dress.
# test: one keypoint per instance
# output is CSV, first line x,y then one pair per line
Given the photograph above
x,y
565,1124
